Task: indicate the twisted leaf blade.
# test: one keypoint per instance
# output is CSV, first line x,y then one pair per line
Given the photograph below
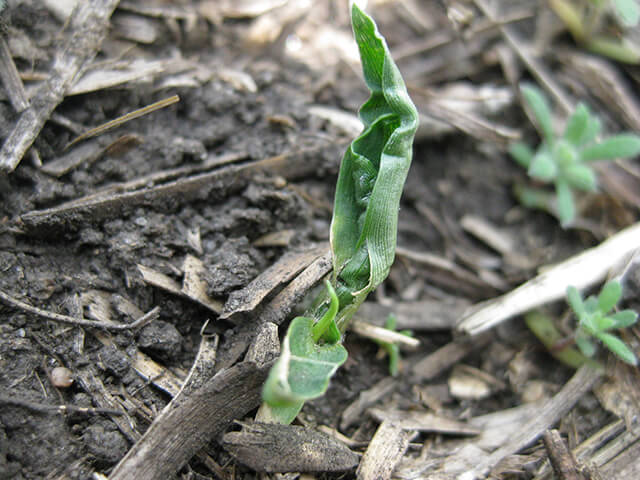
x,y
374,168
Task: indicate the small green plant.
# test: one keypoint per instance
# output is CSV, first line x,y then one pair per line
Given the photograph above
x,y
363,231
595,320
392,349
589,24
565,161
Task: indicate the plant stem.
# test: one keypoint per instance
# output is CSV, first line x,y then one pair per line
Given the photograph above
x,y
324,323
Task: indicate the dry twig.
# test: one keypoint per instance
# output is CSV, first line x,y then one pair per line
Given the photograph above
x,y
81,322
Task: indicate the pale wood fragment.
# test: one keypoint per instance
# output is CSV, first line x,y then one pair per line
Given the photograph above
x,y
550,413
386,449
288,266
581,271
366,398
422,421
11,79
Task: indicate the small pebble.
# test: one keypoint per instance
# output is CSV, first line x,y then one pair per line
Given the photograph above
x,y
61,377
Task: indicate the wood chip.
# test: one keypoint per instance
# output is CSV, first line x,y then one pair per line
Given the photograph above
x,y
366,398
422,315
551,412
287,267
86,29
273,448
381,334
11,79
386,449
194,286
422,421
189,424
581,271
445,357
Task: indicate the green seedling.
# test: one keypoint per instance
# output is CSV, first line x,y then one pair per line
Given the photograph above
x,y
392,349
363,230
565,161
587,20
596,320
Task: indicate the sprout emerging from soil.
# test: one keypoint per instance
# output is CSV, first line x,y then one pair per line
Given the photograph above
x,y
565,161
363,230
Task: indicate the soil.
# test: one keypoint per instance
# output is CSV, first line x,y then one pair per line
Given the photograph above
x,y
65,265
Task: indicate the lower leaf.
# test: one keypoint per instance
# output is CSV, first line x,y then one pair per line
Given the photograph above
x,y
304,368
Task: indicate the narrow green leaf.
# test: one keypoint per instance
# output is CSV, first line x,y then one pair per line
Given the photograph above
x,y
594,126
543,167
564,203
577,124
521,153
609,296
581,176
574,299
624,318
541,111
585,345
624,145
304,368
618,347
373,171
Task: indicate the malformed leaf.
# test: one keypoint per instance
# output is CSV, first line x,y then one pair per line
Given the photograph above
x,y
624,145
521,153
624,318
577,124
618,347
609,296
541,111
373,171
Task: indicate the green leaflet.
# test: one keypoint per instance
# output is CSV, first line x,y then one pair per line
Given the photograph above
x,y
373,171
363,230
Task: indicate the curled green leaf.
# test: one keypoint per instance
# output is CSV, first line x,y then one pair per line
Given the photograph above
x,y
373,171
363,230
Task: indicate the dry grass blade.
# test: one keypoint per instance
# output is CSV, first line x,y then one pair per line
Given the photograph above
x,y
124,119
